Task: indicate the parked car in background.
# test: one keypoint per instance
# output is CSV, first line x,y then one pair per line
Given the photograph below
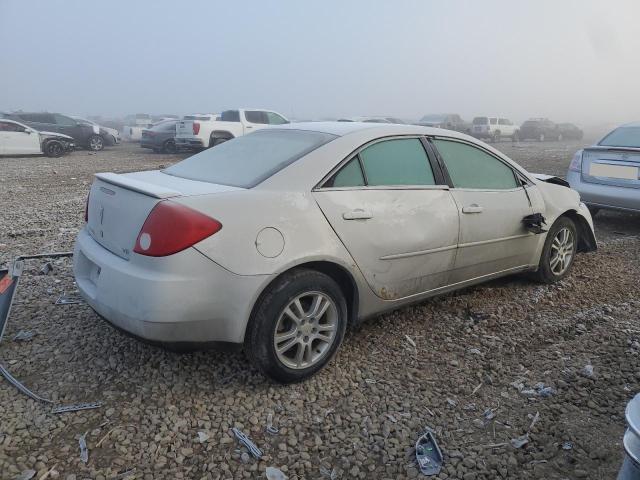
x,y
115,135
277,240
373,119
494,128
607,174
161,137
134,124
84,134
199,134
541,129
450,121
570,132
19,139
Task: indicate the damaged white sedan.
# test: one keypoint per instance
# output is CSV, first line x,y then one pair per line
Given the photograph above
x,y
280,239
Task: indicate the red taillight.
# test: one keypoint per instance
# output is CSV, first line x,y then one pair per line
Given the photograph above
x,y
86,208
196,128
171,227
576,162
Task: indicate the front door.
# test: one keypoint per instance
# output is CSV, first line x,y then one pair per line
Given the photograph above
x,y
17,140
492,204
396,217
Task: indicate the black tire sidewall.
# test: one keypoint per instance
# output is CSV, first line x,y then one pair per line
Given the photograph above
x,y
544,269
51,145
101,143
260,331
167,148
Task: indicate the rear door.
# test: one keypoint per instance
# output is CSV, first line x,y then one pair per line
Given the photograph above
x,y
491,202
395,215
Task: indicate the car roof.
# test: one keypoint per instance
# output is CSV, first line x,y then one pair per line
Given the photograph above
x,y
630,124
341,129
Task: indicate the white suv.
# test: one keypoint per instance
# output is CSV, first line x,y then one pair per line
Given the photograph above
x,y
494,128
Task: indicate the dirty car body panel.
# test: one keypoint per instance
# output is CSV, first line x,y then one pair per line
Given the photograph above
x,y
327,196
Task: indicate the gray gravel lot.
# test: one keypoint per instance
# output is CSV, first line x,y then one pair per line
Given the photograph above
x,y
483,348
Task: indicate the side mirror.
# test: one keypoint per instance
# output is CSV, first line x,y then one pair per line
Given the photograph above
x,y
27,131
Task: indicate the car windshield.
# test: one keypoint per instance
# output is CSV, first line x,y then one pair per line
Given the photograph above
x,y
622,137
480,121
246,161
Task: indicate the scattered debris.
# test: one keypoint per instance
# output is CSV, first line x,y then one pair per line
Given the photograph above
x,y
452,402
50,473
567,445
271,430
46,269
428,454
76,407
274,473
536,417
587,371
331,474
5,373
65,299
84,451
125,474
26,475
521,441
203,437
410,340
391,417
23,336
474,351
243,439
475,390
488,415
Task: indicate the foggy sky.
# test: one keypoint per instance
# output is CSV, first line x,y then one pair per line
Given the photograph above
x,y
566,60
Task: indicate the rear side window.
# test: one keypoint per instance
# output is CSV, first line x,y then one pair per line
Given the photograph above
x,y
10,127
622,137
248,160
397,162
480,121
503,121
348,176
230,116
62,120
470,167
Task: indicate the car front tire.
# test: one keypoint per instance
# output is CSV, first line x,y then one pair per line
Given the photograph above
x,y
559,251
95,143
53,149
297,326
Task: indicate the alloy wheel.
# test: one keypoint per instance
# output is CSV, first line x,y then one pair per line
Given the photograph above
x,y
561,253
306,330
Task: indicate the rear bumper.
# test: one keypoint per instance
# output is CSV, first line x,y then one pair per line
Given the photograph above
x,y
190,142
182,298
605,196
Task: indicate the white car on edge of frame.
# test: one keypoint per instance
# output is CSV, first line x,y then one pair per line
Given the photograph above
x,y
279,239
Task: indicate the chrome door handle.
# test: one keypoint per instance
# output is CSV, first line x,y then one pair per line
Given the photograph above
x,y
357,214
473,208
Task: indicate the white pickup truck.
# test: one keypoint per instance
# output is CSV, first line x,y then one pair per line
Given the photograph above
x,y
198,134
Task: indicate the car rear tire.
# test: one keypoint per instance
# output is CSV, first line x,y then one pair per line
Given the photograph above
x,y
169,146
214,140
53,148
559,251
297,326
95,143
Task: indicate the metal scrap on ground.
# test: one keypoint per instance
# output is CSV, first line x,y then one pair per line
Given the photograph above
x,y
243,439
84,451
428,454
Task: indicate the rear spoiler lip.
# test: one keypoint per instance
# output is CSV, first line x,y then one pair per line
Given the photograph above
x,y
145,188
551,179
610,148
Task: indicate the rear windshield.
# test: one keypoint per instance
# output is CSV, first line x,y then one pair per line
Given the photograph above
x,y
622,137
480,121
246,161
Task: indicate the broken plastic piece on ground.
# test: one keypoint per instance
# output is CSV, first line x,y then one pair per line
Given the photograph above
x,y
84,451
567,445
273,473
428,454
10,378
46,269
26,475
23,336
243,439
271,430
203,437
331,474
521,441
125,474
587,371
65,299
76,407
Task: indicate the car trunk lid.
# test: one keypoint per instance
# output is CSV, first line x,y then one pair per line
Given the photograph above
x,y
184,128
119,204
613,166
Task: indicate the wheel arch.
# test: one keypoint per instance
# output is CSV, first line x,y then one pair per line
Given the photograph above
x,y
336,272
586,237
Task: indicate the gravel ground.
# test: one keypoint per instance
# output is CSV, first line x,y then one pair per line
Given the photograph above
x,y
474,366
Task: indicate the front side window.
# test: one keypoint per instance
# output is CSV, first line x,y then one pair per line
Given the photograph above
x,y
275,119
470,167
480,121
503,121
397,162
254,116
